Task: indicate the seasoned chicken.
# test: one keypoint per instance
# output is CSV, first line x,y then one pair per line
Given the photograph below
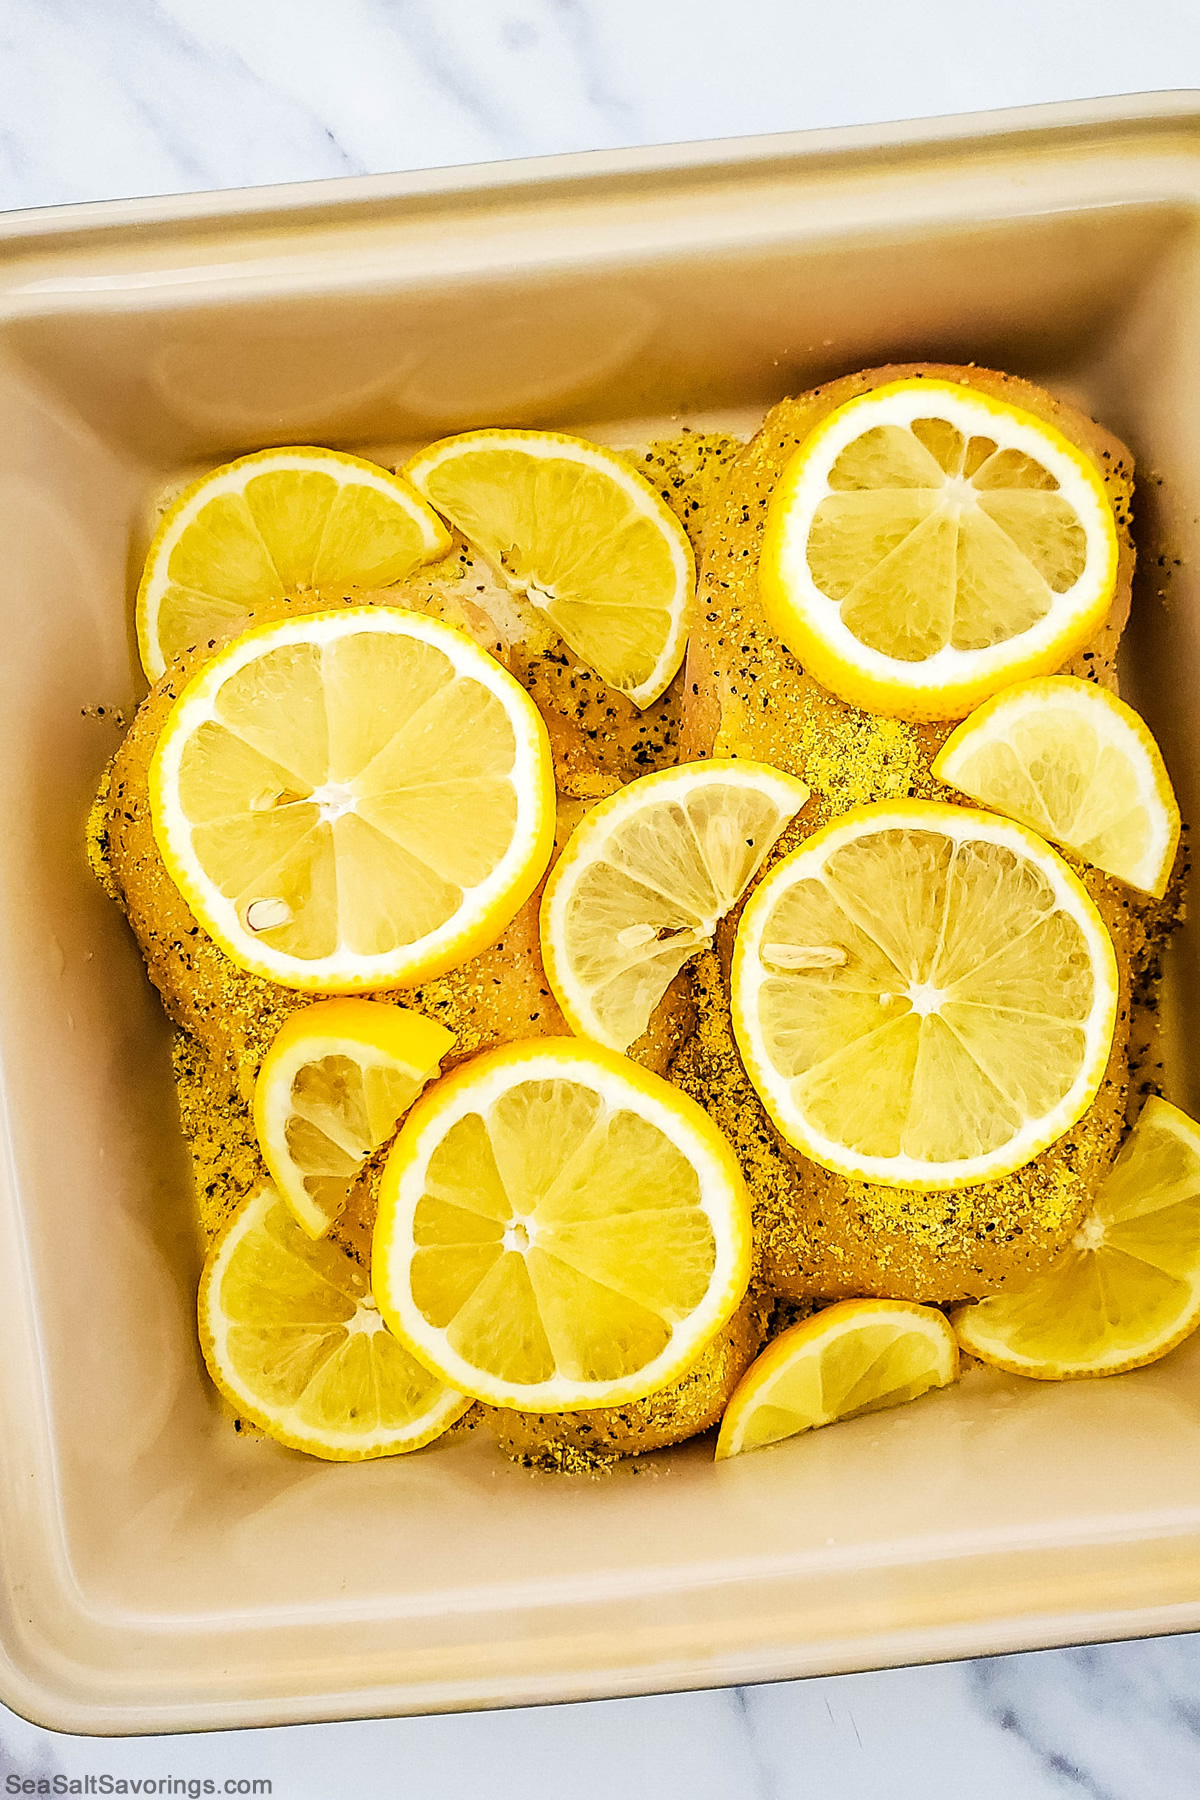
x,y
600,741
568,1441
746,695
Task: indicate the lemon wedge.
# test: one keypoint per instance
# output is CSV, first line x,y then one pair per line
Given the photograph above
x,y
928,545
578,532
1078,765
294,1341
858,1356
353,800
278,522
643,880
1128,1288
332,1088
923,995
559,1229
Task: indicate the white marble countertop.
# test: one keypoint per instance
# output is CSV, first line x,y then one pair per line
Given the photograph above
x,y
103,98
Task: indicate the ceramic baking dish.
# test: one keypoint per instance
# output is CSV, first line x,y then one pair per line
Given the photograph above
x,y
157,1572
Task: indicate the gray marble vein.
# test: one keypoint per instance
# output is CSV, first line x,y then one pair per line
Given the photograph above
x,y
1108,1721
579,24
761,1776
149,96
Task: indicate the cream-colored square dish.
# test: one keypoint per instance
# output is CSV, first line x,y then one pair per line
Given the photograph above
x,y
158,1572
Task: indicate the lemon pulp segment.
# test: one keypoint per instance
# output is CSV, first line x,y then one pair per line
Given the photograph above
x,y
295,1342
857,1356
353,800
1127,1289
559,1228
923,995
579,532
645,878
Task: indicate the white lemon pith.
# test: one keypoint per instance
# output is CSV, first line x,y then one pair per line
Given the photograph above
x,y
645,878
858,1356
1127,1289
923,995
559,1229
576,530
353,800
927,545
1071,760
332,1088
278,522
293,1339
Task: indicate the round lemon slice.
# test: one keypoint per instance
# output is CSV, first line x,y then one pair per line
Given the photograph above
x,y
923,995
350,800
643,881
559,1229
1076,763
332,1088
1127,1289
294,1341
927,545
278,522
578,532
858,1356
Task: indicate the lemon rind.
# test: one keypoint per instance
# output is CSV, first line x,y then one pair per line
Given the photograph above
x,y
472,1087
633,483
497,899
277,1423
1153,873
961,822
805,1338
357,1026
231,478
990,1348
867,678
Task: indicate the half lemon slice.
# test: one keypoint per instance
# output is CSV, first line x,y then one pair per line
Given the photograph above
x,y
1078,765
571,526
294,1341
643,881
351,800
332,1088
927,545
858,1356
559,1229
923,995
278,522
1128,1288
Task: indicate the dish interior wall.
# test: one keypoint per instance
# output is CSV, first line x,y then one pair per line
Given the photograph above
x,y
163,1515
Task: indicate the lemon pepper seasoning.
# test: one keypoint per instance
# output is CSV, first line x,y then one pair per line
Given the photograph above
x,y
746,695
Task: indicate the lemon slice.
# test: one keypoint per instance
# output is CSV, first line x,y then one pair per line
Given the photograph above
x,y
923,995
858,1356
294,1341
349,800
927,545
1127,1289
332,1088
582,535
278,522
1076,763
559,1229
644,879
